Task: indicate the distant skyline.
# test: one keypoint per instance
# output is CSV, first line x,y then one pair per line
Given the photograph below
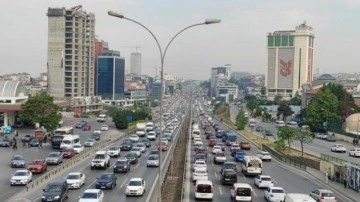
x,y
239,40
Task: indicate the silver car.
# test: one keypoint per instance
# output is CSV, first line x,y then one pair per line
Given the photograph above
x,y
142,147
54,158
153,160
18,161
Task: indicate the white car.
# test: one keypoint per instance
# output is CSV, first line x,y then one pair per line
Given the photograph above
x,y
200,173
78,148
199,164
323,195
75,180
263,155
137,151
196,139
164,139
21,177
263,181
219,157
89,143
234,146
104,127
92,195
151,135
97,131
134,138
354,152
338,148
274,194
216,149
142,147
135,187
113,151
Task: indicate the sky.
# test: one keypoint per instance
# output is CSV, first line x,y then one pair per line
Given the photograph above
x,y
239,40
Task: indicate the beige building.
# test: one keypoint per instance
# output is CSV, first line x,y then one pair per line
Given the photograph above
x,y
71,50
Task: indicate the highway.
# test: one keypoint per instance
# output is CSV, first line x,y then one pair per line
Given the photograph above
x,y
315,148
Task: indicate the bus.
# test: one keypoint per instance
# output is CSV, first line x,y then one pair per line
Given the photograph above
x,y
251,165
68,141
67,130
56,141
229,138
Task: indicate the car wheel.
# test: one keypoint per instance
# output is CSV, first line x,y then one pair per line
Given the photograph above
x,y
92,168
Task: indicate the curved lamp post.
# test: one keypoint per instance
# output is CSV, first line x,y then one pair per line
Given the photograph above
x,y
162,59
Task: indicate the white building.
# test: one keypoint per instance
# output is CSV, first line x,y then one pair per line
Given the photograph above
x,y
135,63
228,92
219,74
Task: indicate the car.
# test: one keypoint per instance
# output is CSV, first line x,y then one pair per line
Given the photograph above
x,y
228,165
259,129
95,136
151,135
216,149
338,148
264,156
86,127
200,156
18,161
200,173
163,146
104,127
263,181
89,142
241,192
101,160
68,153
121,165
245,145
106,181
55,191
219,134
137,151
145,142
323,195
199,164
75,180
219,157
165,140
154,152
274,194
37,166
81,124
126,146
331,138
92,195
204,189
113,151
168,136
134,138
34,143
21,177
212,142
142,147
239,156
132,157
27,138
268,133
355,152
78,148
97,131
54,158
135,187
234,146
153,160
228,176
221,145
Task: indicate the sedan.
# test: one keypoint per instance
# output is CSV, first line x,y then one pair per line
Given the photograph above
x,y
131,157
137,151
104,127
142,147
106,181
134,138
21,177
153,160
200,174
93,195
355,152
75,180
338,148
18,161
122,165
274,194
263,155
136,186
323,195
216,149
263,181
89,143
78,148
54,158
145,142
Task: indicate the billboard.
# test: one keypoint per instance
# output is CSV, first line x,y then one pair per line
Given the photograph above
x,y
271,71
285,68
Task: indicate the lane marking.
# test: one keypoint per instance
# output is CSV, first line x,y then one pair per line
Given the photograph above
x,y
123,183
220,191
254,193
137,165
215,174
91,184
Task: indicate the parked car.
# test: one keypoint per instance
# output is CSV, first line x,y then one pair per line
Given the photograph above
x,y
104,127
86,127
355,152
268,133
323,195
27,138
259,129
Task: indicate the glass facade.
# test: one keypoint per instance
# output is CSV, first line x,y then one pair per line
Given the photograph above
x,y
281,40
111,77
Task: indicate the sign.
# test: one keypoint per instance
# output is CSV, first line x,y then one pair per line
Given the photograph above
x,y
39,134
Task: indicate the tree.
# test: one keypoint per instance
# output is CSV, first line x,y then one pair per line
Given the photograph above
x,y
241,120
251,102
277,99
41,109
120,121
296,100
287,133
258,111
284,110
304,137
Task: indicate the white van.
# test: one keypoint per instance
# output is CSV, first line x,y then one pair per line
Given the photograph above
x,y
295,197
241,192
279,123
204,189
68,141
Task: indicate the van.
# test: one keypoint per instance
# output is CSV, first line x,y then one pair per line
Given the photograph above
x,y
55,191
241,192
295,197
279,123
204,189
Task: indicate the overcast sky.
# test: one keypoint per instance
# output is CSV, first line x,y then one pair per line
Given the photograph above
x,y
239,40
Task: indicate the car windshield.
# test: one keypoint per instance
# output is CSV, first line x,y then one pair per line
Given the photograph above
x,y
37,162
204,188
105,177
53,188
66,141
153,157
120,162
135,183
73,177
130,155
229,165
22,173
77,146
99,156
140,145
277,191
53,155
243,192
113,148
18,158
327,194
229,173
89,195
220,154
136,149
265,179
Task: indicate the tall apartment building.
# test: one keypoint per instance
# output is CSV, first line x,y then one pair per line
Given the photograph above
x,y
71,52
289,61
219,73
135,63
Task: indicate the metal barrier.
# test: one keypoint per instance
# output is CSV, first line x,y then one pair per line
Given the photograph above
x,y
284,159
336,160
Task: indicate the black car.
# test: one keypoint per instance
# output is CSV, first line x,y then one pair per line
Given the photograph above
x,y
106,181
268,133
81,124
259,129
131,157
228,176
27,138
126,146
34,142
95,136
55,191
233,152
122,165
145,142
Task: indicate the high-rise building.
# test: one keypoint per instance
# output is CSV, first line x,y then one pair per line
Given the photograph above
x,y
71,52
111,77
219,73
135,63
289,61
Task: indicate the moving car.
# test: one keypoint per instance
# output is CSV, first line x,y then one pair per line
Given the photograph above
x,y
137,151
274,194
89,142
18,161
239,156
241,192
92,195
134,138
126,146
151,136
245,145
135,187
263,181
54,158
37,166
104,127
323,195
86,127
294,197
121,165
199,164
101,160
106,181
216,149
354,152
264,156
81,124
142,147
228,165
204,189
78,148
228,176
259,129
21,177
219,157
338,148
153,160
55,191
75,180
200,173
27,138
97,131
68,153
131,157
268,133
145,142
114,151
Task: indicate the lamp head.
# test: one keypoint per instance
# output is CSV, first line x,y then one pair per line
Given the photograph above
x,y
212,21
116,14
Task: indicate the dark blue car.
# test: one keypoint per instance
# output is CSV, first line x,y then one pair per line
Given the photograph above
x,y
239,156
106,181
219,134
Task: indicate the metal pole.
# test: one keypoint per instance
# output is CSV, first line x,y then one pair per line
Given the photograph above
x,y
357,128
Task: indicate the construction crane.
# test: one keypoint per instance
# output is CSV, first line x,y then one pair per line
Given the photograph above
x,y
78,7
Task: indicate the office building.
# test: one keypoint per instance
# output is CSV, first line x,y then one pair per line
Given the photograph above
x,y
111,77
135,63
289,61
71,51
219,74
156,90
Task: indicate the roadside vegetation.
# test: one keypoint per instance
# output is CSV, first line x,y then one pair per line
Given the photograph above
x,y
124,117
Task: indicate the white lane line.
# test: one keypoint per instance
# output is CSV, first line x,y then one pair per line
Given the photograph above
x,y
254,193
220,191
37,199
123,183
91,184
137,165
215,174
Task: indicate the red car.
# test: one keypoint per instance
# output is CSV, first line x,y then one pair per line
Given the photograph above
x,y
212,142
162,147
37,166
86,128
68,153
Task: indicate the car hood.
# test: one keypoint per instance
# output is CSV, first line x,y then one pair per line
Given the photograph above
x,y
120,166
72,181
133,187
88,200
130,158
18,161
19,177
52,158
153,161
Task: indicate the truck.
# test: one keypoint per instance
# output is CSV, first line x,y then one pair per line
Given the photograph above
x,y
141,129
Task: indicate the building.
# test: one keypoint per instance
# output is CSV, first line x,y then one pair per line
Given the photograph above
x,y
71,52
156,90
227,92
289,61
135,63
111,77
218,74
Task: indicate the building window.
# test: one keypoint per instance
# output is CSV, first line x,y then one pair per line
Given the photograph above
x,y
277,40
270,41
291,40
284,40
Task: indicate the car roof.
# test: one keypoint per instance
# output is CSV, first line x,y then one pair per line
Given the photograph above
x,y
136,179
325,191
101,152
92,190
264,176
200,168
23,170
230,162
276,188
74,173
204,182
57,182
236,185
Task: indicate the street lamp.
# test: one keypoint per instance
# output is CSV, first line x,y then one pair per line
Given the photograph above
x,y
162,59
327,117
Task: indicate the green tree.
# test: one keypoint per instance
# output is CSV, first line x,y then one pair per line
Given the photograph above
x,y
284,110
258,111
277,99
241,120
251,102
304,137
120,121
287,133
296,100
41,109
